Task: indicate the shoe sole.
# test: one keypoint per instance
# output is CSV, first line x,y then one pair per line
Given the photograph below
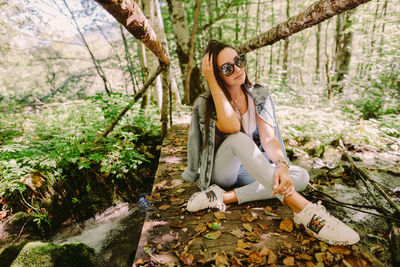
x,y
339,243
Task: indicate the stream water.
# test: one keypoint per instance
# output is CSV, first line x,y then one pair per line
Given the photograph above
x,y
113,234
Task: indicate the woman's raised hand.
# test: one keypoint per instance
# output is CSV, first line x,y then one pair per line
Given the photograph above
x,y
207,68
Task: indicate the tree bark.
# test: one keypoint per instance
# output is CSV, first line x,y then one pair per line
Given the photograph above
x,y
258,32
191,52
343,52
181,33
129,14
314,14
317,59
272,25
286,46
128,59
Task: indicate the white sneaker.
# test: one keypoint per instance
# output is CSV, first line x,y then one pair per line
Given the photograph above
x,y
324,226
212,197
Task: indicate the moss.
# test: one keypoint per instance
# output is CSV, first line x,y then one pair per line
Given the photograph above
x,y
8,254
51,255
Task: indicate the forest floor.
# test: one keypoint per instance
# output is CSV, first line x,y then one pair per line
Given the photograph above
x,y
259,233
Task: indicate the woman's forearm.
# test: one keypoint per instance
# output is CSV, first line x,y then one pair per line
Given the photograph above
x,y
227,120
273,149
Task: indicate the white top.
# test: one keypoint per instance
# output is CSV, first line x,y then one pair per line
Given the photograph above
x,y
249,119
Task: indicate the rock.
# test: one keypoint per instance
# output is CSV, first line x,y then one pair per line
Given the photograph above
x,y
51,255
8,254
19,218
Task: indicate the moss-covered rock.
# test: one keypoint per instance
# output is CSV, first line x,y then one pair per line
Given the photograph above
x,y
51,255
8,254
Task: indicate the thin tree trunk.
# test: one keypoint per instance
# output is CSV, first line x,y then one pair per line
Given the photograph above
x,y
191,52
97,65
257,32
210,11
286,46
318,40
145,73
166,84
272,25
343,54
328,77
383,26
314,14
128,59
247,19
219,29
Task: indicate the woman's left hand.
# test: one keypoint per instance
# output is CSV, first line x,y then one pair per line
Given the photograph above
x,y
283,184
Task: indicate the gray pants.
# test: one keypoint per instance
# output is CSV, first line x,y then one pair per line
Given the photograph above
x,y
239,162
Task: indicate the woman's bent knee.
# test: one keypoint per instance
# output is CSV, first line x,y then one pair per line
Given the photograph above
x,y
300,178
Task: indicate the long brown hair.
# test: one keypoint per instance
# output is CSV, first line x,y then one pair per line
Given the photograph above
x,y
214,47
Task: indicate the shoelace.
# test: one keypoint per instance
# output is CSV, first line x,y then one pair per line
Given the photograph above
x,y
328,216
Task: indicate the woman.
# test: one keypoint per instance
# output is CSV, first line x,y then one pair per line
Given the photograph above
x,y
234,139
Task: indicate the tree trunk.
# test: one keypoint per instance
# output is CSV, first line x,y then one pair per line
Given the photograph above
x,y
247,19
383,27
314,14
286,46
258,32
219,29
160,31
128,59
210,11
181,33
129,14
191,52
343,52
328,77
272,25
237,29
97,65
318,40
145,73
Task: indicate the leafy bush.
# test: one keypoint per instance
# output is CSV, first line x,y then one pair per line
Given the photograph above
x,y
47,144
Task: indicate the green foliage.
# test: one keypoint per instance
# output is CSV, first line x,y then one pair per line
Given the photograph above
x,y
61,137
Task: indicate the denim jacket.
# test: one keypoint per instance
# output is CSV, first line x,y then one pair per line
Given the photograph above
x,y
204,159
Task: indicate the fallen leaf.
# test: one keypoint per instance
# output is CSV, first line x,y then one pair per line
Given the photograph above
x,y
271,257
328,259
287,244
319,256
200,228
148,197
200,213
339,250
310,264
142,261
248,227
238,233
214,225
181,190
299,237
219,215
174,199
235,261
257,231
263,226
3,214
243,251
304,257
213,235
247,217
187,258
255,257
156,195
264,251
253,237
323,246
164,207
221,260
286,225
305,242
268,209
288,260
177,224
241,244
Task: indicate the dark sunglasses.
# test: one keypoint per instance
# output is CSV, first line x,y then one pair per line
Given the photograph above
x,y
228,68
